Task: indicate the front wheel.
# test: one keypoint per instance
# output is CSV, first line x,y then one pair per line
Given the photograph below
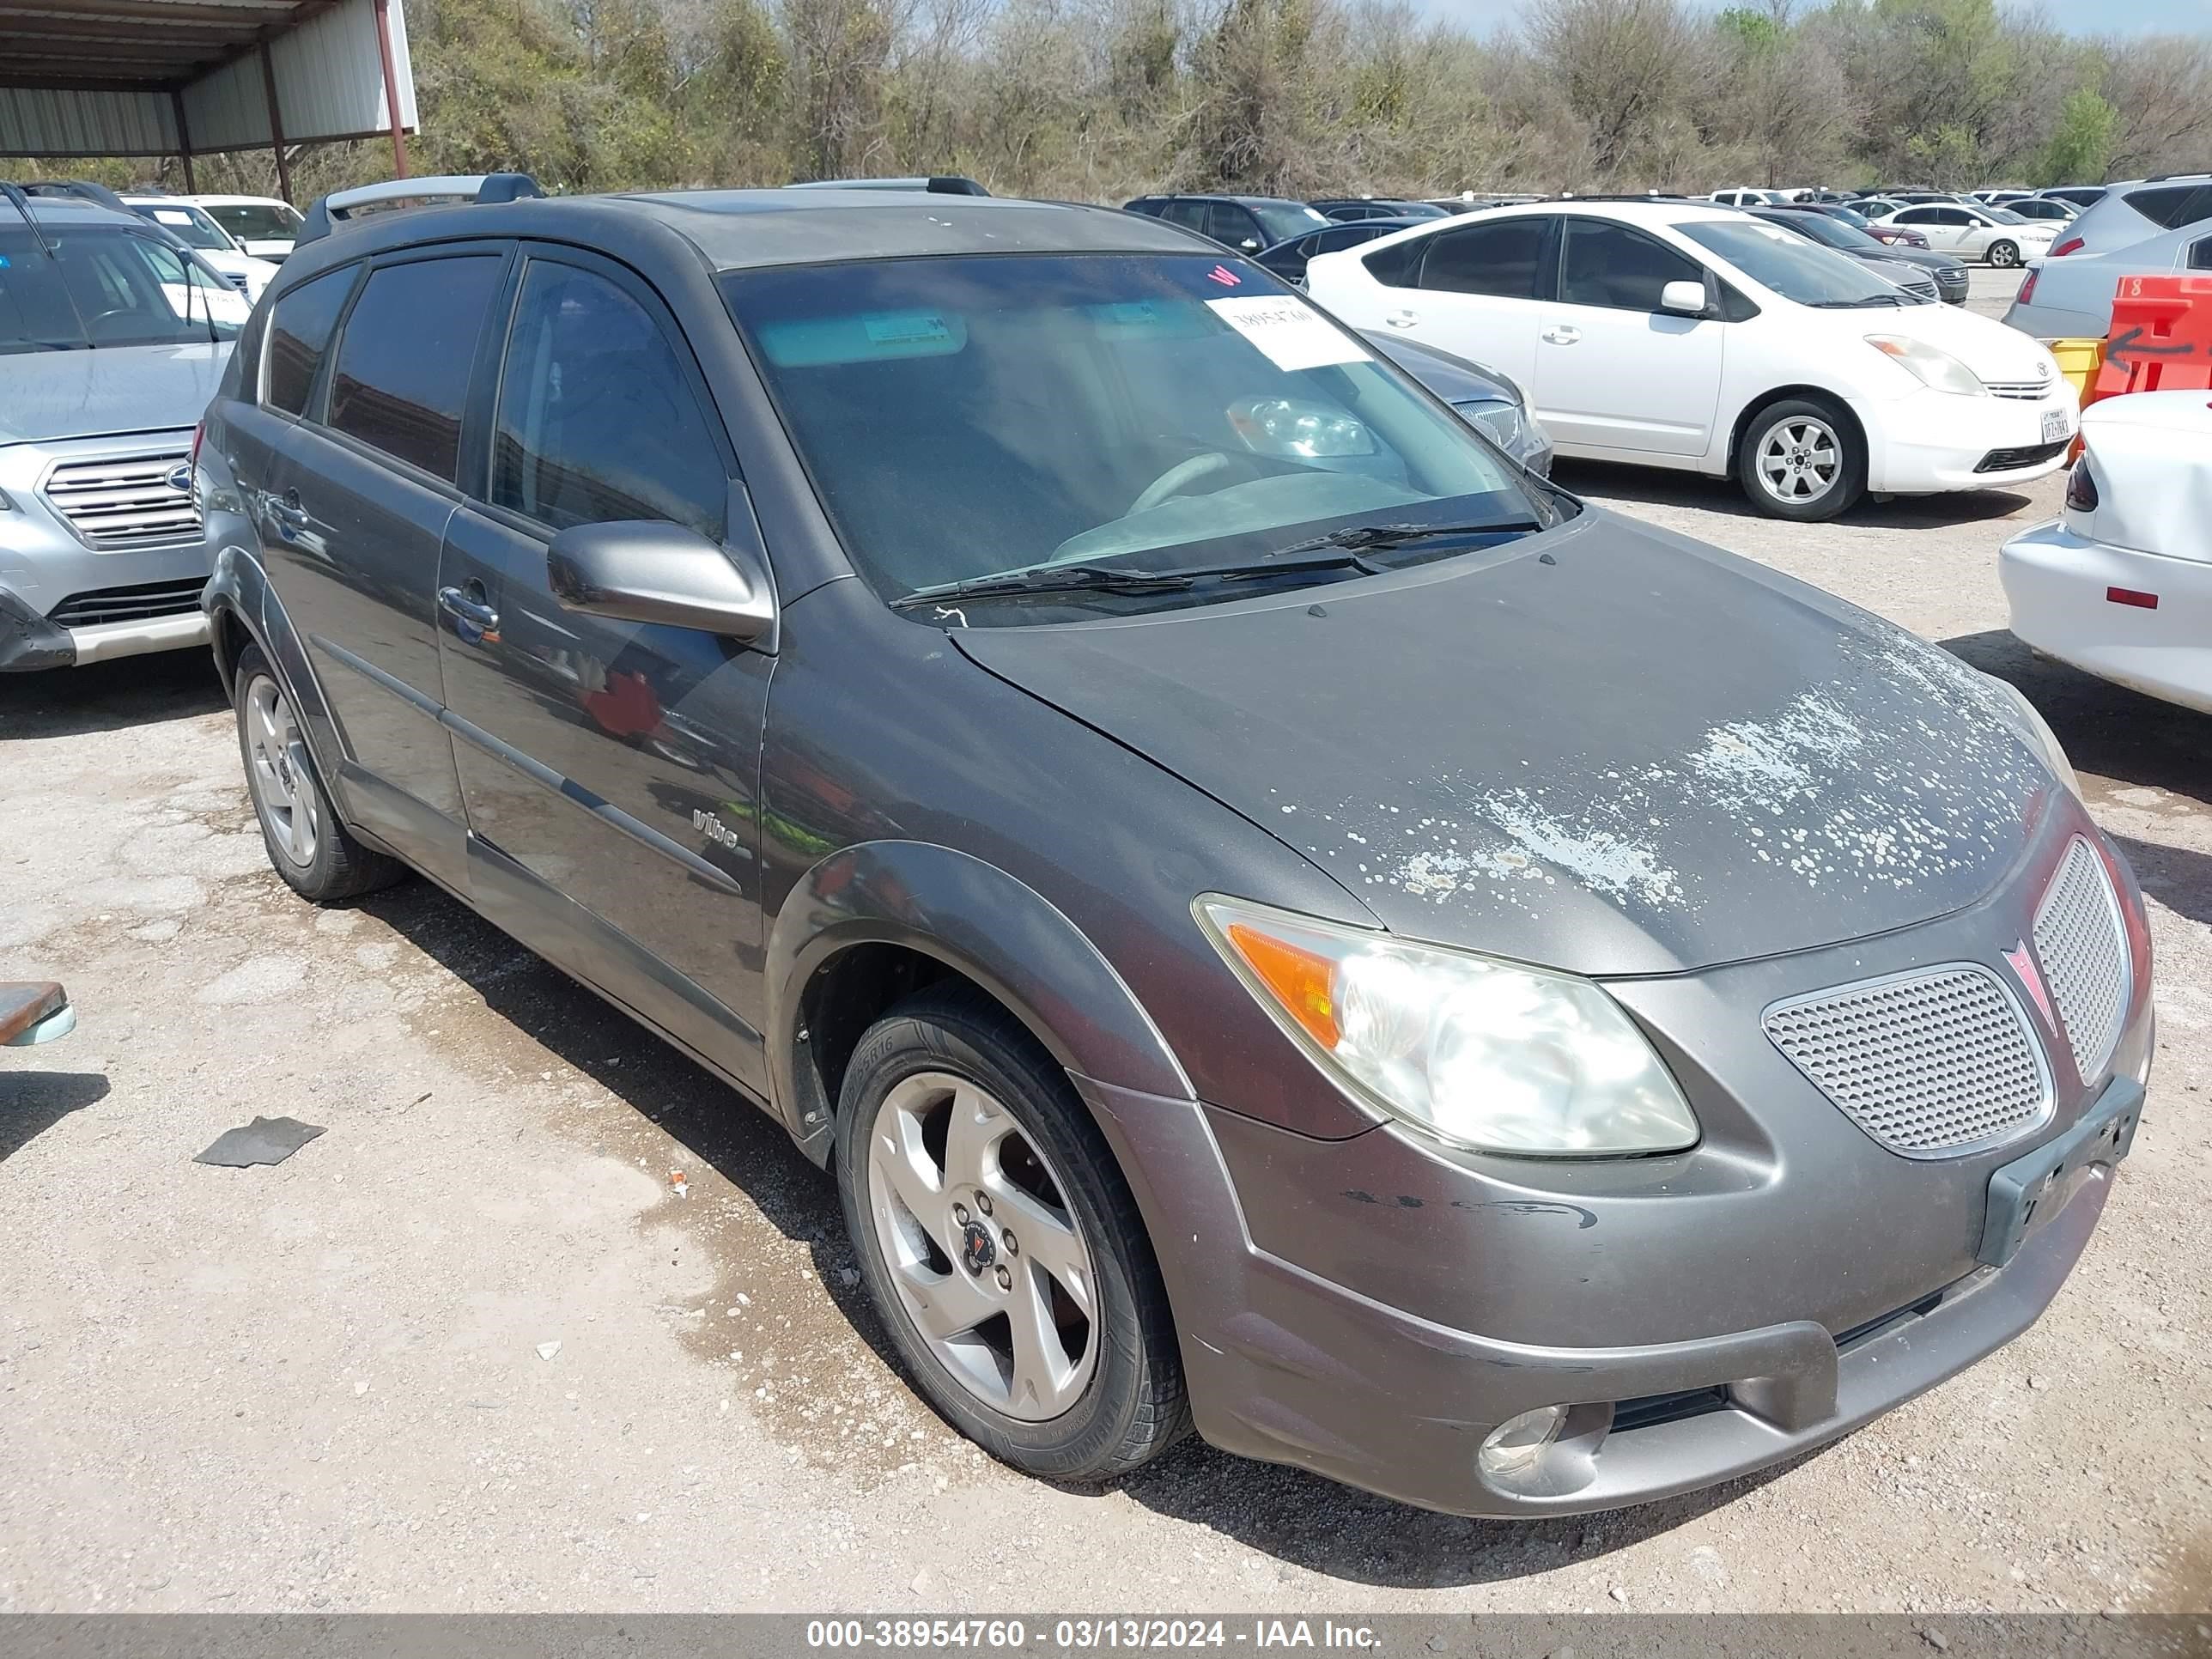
x,y
1000,1245
1802,459
2004,255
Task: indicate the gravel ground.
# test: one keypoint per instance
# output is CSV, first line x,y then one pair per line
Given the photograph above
x,y
332,1384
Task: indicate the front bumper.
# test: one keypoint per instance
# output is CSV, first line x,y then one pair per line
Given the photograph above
x,y
1931,441
2056,584
28,642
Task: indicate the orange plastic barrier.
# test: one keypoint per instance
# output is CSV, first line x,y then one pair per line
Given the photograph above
x,y
2160,338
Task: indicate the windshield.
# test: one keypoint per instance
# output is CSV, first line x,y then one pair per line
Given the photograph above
x,y
1820,229
971,416
2005,215
1791,266
103,286
1284,220
188,224
258,221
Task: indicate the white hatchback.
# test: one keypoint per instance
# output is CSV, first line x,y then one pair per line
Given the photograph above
x,y
1995,234
2120,585
1680,335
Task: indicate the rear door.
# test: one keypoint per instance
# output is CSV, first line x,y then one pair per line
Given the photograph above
x,y
1478,292
610,768
1613,371
364,492
287,373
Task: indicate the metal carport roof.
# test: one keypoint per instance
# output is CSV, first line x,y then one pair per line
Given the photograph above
x,y
194,77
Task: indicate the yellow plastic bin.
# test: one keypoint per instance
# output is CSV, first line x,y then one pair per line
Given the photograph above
x,y
2079,361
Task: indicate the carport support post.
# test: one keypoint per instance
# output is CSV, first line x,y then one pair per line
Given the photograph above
x,y
391,89
276,121
183,139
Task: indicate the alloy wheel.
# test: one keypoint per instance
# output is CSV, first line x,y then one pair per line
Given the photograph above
x,y
984,1250
1799,460
284,787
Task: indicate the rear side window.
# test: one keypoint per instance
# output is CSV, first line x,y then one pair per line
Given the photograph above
x,y
1189,215
2172,206
1612,265
402,373
299,329
1500,258
597,421
2200,254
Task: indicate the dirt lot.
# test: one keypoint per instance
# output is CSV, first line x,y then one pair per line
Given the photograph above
x,y
320,1386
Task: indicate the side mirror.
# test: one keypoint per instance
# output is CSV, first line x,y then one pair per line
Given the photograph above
x,y
1687,298
1250,244
639,570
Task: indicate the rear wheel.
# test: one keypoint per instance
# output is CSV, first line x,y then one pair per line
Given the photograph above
x,y
1802,459
1001,1245
2004,255
317,855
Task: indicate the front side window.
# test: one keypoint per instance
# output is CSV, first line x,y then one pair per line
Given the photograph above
x,y
1229,224
402,372
1499,258
1623,269
299,328
597,422
1791,266
89,286
969,417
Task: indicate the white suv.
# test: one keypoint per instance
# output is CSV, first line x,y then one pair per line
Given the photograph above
x,y
264,226
190,225
1697,337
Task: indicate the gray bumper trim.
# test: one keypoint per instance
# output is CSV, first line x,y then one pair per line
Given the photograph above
x,y
108,640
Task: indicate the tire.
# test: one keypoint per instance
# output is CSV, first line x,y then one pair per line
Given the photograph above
x,y
1087,1394
314,852
1783,453
2004,255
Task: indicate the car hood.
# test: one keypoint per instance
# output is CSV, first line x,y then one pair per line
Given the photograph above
x,y
1984,344
48,395
1638,754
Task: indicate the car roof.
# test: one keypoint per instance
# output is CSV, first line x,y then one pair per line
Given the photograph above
x,y
68,209
744,230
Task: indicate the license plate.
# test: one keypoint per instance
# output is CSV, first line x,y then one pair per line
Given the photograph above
x,y
2057,424
2031,1189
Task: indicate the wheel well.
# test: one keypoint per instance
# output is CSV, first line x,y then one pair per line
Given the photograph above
x,y
230,637
848,993
1759,405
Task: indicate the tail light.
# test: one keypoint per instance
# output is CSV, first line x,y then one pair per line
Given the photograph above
x,y
2027,289
2081,488
2071,245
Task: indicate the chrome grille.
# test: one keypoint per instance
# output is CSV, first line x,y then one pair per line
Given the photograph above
x,y
2030,391
2082,945
126,501
1931,1064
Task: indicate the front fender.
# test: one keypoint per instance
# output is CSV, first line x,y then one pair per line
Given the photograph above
x,y
975,918
238,593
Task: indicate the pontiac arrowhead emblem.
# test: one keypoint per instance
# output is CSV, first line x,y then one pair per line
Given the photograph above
x,y
2023,962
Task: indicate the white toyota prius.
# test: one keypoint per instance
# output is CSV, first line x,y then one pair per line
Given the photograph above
x,y
2120,584
1681,334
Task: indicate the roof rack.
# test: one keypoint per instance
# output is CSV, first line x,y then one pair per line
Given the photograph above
x,y
83,190
327,213
935,183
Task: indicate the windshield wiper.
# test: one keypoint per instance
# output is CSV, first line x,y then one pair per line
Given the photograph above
x,y
1365,536
1115,579
1859,304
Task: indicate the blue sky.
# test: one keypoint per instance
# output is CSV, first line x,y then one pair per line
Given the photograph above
x,y
2077,16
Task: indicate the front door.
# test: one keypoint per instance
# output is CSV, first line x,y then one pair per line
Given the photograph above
x,y
1614,371
361,497
610,768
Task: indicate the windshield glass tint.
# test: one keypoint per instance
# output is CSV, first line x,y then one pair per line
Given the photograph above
x,y
968,416
188,225
106,287
1821,229
1791,266
1283,220
255,222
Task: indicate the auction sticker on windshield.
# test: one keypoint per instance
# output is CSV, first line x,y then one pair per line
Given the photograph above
x,y
1291,334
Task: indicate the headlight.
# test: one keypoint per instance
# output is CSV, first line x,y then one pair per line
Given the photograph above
x,y
1501,421
1938,369
1478,1053
2028,724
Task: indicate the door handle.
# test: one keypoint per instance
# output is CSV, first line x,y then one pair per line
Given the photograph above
x,y
289,513
1562,334
470,607
1402,318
